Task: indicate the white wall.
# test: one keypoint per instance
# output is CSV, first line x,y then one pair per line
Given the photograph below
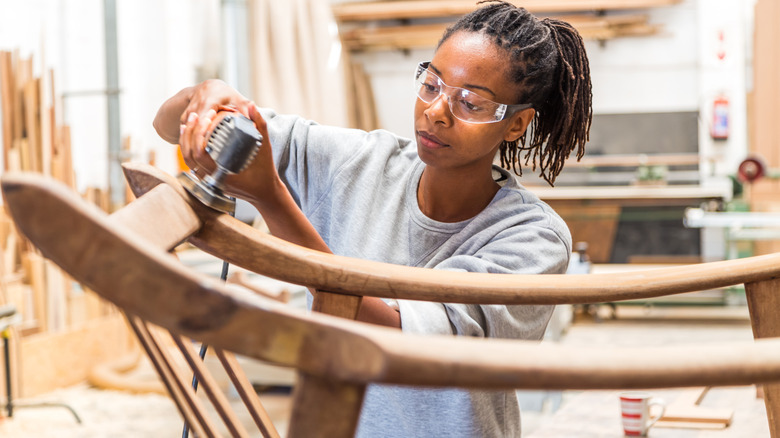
x,y
164,45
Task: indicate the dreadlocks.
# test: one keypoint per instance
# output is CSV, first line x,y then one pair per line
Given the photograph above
x,y
550,66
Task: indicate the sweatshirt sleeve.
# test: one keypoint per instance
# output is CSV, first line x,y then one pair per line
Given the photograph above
x,y
308,155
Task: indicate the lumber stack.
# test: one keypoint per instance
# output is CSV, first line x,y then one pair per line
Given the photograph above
x,y
406,24
35,140
65,329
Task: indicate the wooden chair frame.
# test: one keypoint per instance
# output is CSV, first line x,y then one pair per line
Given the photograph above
x,y
124,258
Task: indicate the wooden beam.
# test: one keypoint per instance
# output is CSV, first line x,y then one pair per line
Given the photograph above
x,y
408,9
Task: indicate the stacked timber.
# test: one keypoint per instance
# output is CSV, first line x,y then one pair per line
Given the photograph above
x,y
57,316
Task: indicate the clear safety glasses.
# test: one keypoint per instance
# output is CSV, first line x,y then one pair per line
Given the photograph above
x,y
466,105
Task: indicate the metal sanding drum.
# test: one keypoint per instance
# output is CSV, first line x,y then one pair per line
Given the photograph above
x,y
232,144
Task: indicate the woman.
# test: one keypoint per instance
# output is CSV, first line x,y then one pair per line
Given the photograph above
x,y
501,82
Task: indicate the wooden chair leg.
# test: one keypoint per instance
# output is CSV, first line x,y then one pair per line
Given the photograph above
x,y
247,393
324,408
344,306
191,408
763,302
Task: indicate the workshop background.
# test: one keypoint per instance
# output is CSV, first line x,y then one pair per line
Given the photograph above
x,y
682,166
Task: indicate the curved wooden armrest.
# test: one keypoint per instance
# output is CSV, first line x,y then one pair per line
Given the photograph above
x,y
144,280
242,245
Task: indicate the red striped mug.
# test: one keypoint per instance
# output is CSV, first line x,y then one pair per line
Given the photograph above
x,y
635,407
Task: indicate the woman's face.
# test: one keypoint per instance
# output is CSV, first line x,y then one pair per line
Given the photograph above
x,y
472,61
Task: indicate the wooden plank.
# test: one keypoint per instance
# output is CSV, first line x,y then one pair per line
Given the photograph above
x,y
22,74
35,269
65,157
7,90
45,123
364,115
396,10
32,119
55,288
698,414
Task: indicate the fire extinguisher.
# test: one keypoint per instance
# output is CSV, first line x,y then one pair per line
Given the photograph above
x,y
720,119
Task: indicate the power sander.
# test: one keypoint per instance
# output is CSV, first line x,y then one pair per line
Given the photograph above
x,y
232,144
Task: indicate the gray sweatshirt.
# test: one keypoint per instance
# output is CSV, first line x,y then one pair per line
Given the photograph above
x,y
359,189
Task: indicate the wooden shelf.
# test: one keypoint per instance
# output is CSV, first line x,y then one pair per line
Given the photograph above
x,y
633,160
361,29
428,35
409,9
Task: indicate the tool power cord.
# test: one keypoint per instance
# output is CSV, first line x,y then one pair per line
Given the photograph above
x,y
223,276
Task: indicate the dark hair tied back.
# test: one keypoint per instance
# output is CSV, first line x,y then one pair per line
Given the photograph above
x,y
549,65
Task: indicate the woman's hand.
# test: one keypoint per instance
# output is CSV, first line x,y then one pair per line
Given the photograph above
x,y
259,183
211,94
199,99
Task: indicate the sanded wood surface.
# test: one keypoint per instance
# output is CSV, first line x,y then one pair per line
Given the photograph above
x,y
139,218
81,240
242,245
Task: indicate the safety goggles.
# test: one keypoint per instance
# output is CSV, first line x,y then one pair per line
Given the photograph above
x,y
464,104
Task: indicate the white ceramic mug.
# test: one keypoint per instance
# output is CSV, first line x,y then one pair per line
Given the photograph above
x,y
635,407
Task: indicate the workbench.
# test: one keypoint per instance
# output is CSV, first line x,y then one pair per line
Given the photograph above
x,y
593,212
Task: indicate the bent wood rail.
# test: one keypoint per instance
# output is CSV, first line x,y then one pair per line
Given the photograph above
x,y
336,357
244,246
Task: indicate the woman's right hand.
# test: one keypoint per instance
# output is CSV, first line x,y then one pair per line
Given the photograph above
x,y
210,95
200,99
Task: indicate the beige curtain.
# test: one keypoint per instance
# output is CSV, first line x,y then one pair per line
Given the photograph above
x,y
296,59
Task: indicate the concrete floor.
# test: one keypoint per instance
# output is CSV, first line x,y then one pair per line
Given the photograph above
x,y
110,413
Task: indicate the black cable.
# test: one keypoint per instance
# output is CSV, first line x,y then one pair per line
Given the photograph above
x,y
185,430
203,347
